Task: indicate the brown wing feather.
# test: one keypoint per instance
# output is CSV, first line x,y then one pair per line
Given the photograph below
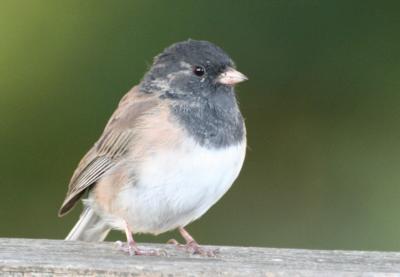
x,y
111,147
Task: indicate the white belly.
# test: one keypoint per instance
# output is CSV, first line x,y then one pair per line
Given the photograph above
x,y
175,187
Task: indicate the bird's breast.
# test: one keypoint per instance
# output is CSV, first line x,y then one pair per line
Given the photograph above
x,y
175,186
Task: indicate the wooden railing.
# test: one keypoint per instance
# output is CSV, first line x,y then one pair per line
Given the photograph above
x,y
35,257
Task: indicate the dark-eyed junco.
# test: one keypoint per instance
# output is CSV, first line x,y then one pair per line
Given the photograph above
x,y
170,151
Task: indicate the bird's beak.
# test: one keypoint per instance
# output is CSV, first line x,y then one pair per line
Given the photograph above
x,y
231,77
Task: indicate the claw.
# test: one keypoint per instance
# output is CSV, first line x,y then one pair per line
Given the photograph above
x,y
192,247
173,241
133,250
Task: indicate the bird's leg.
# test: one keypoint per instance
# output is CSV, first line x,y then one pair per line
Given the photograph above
x,y
131,246
192,246
187,237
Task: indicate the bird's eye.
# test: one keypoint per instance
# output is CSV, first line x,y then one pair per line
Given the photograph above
x,y
199,70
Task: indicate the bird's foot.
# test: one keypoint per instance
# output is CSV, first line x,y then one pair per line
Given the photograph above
x,y
133,250
192,247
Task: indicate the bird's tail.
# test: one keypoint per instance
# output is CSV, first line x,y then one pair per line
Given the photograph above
x,y
89,227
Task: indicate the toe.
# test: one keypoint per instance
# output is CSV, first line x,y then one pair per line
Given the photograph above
x,y
173,241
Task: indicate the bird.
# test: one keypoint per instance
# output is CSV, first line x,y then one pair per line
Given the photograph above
x,y
173,147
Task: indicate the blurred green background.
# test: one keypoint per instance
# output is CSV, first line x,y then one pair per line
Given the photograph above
x,y
322,108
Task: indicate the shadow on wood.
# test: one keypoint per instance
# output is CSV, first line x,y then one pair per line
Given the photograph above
x,y
55,257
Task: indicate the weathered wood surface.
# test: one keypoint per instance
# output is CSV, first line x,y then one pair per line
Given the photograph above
x,y
55,258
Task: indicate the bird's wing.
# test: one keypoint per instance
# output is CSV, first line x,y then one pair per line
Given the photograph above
x,y
111,147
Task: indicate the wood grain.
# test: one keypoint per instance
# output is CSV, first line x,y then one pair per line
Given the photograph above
x,y
33,257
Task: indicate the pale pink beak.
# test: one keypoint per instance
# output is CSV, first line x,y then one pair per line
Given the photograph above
x,y
231,77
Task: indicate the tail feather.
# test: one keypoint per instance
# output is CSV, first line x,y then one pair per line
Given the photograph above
x,y
89,228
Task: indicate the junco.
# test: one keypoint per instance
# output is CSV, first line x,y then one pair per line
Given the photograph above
x,y
170,151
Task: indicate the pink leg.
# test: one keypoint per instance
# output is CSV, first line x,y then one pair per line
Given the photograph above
x,y
131,246
192,246
185,234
